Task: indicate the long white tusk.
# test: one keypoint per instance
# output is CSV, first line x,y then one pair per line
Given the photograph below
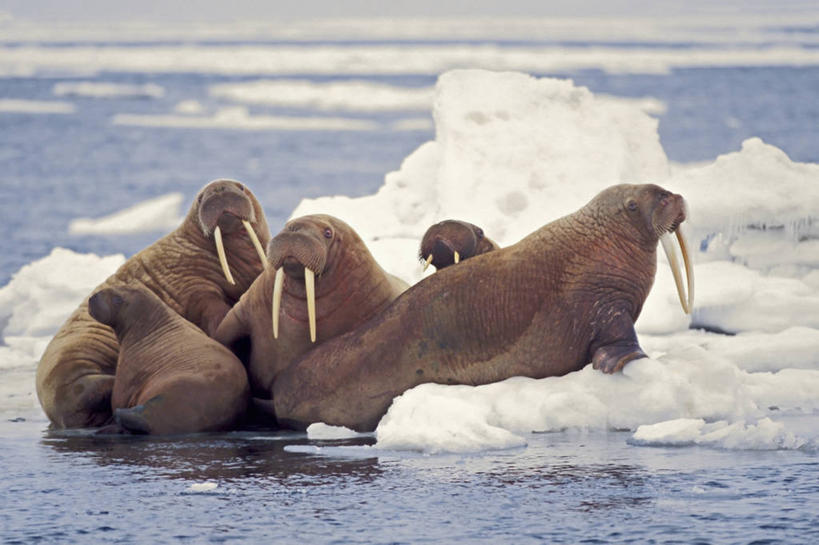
x,y
673,262
278,283
310,289
689,266
427,262
457,258
220,251
255,240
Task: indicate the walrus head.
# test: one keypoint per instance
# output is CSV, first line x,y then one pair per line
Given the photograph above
x,y
302,251
107,305
450,241
227,206
649,213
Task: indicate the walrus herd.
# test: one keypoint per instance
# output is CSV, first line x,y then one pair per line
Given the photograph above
x,y
219,323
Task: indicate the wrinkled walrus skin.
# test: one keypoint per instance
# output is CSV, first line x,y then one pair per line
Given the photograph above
x,y
566,295
171,378
76,373
350,287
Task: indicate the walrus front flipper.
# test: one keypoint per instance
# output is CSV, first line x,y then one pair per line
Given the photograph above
x,y
613,356
138,419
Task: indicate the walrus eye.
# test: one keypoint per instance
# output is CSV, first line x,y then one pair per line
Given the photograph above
x,y
328,233
479,233
632,205
240,186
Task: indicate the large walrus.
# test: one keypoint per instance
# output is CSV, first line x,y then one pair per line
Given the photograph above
x,y
321,282
449,242
566,295
187,269
171,378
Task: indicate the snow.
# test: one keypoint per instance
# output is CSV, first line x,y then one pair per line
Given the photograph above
x,y
510,153
157,214
238,118
101,89
23,106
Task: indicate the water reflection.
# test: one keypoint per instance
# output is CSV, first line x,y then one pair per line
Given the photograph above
x,y
237,456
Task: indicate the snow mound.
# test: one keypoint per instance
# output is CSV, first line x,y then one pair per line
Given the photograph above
x,y
158,214
511,153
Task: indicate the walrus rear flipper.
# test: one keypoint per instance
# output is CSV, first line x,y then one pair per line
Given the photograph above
x,y
137,419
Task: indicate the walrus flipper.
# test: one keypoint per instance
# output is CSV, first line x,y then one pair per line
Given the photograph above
x,y
612,356
138,419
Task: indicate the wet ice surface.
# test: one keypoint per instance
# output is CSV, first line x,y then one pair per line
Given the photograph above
x,y
560,488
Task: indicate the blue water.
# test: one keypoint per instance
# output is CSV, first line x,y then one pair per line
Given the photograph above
x,y
561,488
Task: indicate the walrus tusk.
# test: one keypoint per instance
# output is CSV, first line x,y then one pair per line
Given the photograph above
x,y
428,261
671,254
689,266
457,258
255,240
278,283
310,289
220,251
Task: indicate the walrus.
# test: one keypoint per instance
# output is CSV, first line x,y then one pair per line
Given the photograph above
x,y
321,281
188,269
171,378
450,241
566,295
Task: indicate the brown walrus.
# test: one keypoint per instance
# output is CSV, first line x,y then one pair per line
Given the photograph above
x,y
450,241
76,373
171,378
566,295
327,283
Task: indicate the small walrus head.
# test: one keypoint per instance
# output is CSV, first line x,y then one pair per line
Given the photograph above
x,y
227,206
648,213
108,304
302,251
450,241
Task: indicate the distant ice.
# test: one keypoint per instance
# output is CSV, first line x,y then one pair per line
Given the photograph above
x,y
101,89
22,106
373,59
753,23
238,118
352,95
157,214
192,107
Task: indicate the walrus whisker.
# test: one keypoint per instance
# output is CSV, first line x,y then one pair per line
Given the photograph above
x,y
256,244
310,290
220,251
428,261
673,262
278,283
689,267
